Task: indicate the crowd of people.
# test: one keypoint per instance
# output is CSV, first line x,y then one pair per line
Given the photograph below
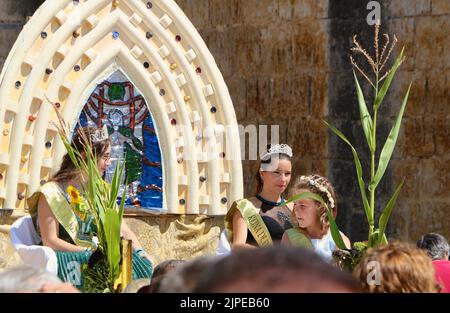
x,y
267,245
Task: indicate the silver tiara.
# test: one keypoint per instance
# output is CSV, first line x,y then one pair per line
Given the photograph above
x,y
278,149
100,134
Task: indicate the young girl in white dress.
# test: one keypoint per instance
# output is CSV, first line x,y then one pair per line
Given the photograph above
x,y
312,218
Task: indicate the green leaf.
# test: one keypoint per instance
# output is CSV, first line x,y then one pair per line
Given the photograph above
x,y
362,186
115,183
335,233
387,83
122,203
384,218
389,145
112,236
366,119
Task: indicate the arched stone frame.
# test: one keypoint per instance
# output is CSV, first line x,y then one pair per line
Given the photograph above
x,y
107,33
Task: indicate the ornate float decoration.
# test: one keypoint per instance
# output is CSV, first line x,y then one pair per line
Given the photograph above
x,y
139,67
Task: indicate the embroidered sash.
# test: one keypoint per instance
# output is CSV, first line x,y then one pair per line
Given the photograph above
x,y
63,212
254,222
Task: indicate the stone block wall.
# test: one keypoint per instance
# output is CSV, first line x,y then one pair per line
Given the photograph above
x,y
287,62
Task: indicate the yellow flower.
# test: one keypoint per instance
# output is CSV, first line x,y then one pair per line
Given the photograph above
x,y
74,195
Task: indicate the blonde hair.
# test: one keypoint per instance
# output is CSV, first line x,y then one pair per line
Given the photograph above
x,y
321,186
402,268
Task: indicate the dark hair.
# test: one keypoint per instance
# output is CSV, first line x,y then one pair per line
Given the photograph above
x,y
273,269
435,245
68,170
259,182
161,270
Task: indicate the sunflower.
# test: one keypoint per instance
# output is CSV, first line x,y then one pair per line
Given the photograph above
x,y
74,195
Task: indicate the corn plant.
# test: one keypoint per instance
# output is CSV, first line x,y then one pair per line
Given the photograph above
x,y
380,84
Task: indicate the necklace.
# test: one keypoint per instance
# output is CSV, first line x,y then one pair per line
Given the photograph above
x,y
268,202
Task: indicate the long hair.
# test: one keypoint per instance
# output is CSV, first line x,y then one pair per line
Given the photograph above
x,y
317,184
259,182
68,170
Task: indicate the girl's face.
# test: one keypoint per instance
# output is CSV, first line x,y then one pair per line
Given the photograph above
x,y
306,212
278,179
104,161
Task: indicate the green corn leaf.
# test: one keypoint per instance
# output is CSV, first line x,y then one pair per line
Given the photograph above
x,y
384,218
113,186
122,203
366,119
335,233
389,145
115,183
362,186
387,83
112,236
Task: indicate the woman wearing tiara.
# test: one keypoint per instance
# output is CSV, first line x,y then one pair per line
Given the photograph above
x,y
312,227
260,220
52,214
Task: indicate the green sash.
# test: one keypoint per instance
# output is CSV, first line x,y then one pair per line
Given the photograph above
x,y
62,210
254,222
298,238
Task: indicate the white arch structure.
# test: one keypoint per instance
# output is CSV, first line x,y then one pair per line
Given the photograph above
x,y
60,55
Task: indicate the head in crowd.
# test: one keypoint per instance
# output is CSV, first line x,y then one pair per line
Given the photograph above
x,y
311,215
396,267
27,279
274,269
185,277
101,147
161,271
274,170
435,245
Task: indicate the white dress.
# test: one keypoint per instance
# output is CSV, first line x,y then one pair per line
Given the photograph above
x,y
324,246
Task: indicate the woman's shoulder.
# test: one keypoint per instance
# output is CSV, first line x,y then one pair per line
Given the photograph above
x,y
252,200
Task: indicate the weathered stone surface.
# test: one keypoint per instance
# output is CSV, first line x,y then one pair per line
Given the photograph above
x,y
440,7
17,11
433,42
406,8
